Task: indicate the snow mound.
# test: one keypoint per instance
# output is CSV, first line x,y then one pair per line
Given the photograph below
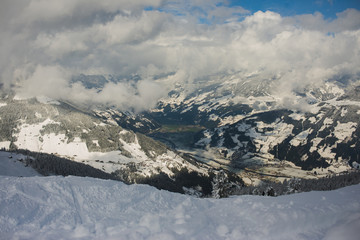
x,y
87,208
11,165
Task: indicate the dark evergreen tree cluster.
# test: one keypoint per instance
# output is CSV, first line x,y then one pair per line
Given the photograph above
x,y
296,185
49,164
215,184
181,178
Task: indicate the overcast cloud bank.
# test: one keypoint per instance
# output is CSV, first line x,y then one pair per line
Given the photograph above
x,y
45,43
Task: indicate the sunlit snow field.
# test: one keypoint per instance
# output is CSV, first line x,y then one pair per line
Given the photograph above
x,y
36,207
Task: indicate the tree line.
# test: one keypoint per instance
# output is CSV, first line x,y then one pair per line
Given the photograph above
x,y
217,184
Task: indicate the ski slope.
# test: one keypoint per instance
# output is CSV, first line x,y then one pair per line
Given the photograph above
x,y
11,165
85,208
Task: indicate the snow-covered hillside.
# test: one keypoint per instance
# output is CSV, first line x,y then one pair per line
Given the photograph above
x,y
228,122
12,165
247,124
63,130
86,208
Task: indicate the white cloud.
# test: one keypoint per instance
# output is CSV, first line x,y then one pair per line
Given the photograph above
x,y
347,20
45,10
44,43
45,80
53,81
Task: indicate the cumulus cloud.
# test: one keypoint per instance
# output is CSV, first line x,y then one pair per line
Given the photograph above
x,y
45,43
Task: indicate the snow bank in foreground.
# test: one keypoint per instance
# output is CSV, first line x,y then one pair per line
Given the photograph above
x,y
87,208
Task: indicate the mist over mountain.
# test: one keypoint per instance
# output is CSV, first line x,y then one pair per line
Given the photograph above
x,y
51,44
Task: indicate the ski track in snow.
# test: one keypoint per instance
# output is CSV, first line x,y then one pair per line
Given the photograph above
x,y
86,208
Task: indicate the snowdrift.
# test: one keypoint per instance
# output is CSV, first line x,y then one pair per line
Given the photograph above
x,y
86,208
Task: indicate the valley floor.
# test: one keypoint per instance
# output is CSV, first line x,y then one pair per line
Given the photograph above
x,y
55,207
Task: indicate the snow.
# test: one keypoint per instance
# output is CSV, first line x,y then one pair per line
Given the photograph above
x,y
236,140
167,161
174,101
96,142
344,130
10,165
334,89
230,120
213,117
139,125
123,132
38,115
266,140
326,152
3,104
186,109
99,124
19,98
5,144
28,135
47,100
206,140
301,138
340,103
327,122
86,208
28,138
58,144
315,143
297,116
135,149
312,120
243,127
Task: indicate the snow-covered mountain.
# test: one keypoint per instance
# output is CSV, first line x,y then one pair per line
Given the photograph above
x,y
325,141
225,99
254,126
140,122
34,207
53,127
234,122
252,129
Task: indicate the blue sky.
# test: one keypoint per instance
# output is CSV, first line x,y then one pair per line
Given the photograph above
x,y
328,8
220,11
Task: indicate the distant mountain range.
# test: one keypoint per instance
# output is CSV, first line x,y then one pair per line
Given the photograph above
x,y
252,131
54,127
232,123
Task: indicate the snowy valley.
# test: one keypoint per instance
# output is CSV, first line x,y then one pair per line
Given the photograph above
x,y
247,129
229,124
